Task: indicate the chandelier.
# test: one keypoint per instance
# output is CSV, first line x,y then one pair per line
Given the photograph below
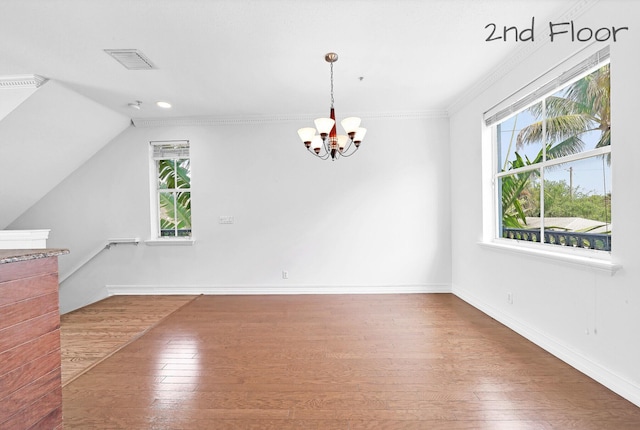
x,y
328,143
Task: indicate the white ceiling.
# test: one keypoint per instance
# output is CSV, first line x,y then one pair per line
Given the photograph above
x,y
244,58
10,99
45,138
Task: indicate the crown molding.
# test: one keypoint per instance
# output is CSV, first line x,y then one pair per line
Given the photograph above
x,y
21,81
202,121
520,54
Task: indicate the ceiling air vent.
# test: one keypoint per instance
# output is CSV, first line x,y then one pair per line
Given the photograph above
x,y
132,59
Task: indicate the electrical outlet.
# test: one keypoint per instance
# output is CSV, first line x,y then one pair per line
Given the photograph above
x,y
285,274
510,297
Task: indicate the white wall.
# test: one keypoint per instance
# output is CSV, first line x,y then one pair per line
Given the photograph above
x,y
587,317
378,221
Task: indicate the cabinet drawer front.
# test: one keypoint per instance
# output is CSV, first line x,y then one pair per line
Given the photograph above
x,y
29,372
43,414
28,330
23,289
12,359
29,395
28,268
27,309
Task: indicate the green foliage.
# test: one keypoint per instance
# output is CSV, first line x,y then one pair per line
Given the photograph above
x,y
582,107
516,192
174,173
175,205
561,201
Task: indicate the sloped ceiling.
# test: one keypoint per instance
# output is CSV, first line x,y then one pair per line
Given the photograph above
x,y
44,139
12,98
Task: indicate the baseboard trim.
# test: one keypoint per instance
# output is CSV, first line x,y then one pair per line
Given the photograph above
x,y
580,362
121,290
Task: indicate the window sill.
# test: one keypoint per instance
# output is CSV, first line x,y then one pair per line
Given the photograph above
x,y
173,241
582,260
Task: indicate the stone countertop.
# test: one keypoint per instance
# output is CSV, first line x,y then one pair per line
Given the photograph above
x,y
15,255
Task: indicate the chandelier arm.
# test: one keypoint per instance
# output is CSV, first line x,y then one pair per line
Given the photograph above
x,y
344,154
327,146
345,151
321,156
346,148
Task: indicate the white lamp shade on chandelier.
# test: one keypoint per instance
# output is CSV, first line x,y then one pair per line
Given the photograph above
x,y
327,143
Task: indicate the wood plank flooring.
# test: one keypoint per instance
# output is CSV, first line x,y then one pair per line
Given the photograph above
x,y
90,334
337,362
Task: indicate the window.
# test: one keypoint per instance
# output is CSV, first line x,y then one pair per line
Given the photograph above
x,y
552,169
171,178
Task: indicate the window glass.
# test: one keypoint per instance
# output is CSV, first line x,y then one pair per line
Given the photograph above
x,y
570,172
173,184
577,201
510,140
578,115
520,201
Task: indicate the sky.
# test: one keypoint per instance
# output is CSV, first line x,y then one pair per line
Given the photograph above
x,y
591,175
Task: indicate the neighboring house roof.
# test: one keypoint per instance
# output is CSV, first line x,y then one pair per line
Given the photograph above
x,y
570,224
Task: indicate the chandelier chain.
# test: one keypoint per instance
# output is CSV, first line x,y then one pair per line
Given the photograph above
x,y
331,64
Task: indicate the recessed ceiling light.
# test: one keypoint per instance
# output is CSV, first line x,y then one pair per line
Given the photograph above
x,y
164,105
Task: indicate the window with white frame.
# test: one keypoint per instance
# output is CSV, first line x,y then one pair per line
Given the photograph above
x,y
171,178
552,161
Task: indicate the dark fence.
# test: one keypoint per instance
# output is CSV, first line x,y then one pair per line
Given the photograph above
x,y
172,233
601,242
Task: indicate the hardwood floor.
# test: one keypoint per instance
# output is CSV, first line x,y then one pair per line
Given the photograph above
x,y
337,362
90,334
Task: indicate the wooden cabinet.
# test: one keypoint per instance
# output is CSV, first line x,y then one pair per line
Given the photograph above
x,y
30,387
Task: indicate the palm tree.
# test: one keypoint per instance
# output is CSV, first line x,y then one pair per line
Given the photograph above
x,y
582,107
175,205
